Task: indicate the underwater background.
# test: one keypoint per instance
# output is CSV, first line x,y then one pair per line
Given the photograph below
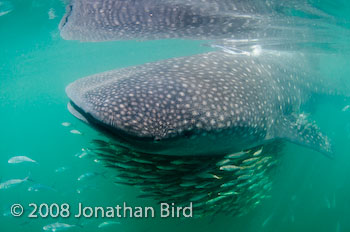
x,y
310,192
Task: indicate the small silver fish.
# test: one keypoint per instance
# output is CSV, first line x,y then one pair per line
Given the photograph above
x,y
244,177
267,220
209,176
5,7
178,162
211,201
20,159
243,184
236,155
108,223
267,186
253,186
88,175
85,153
229,184
223,162
65,124
245,171
58,227
229,193
346,108
142,161
258,152
203,185
230,168
76,132
12,183
250,160
41,187
258,195
81,155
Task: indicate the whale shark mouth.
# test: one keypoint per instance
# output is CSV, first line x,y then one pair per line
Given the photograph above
x,y
119,136
76,112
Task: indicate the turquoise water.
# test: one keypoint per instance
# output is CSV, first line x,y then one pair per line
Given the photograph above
x,y
311,192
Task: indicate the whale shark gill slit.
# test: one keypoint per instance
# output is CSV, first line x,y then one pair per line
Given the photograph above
x,y
64,20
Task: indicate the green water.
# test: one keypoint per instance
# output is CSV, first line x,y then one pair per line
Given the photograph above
x,y
311,192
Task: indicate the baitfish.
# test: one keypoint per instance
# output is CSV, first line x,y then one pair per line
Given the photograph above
x,y
58,227
5,7
21,159
41,187
12,183
88,175
107,224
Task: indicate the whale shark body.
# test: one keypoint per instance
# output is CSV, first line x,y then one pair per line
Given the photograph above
x,y
153,19
104,20
210,104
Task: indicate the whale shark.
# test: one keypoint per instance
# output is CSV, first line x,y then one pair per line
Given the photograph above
x,y
210,104
105,20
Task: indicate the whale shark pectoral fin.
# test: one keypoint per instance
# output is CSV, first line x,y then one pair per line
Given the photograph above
x,y
298,130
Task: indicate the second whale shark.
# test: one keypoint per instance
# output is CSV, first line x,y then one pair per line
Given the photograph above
x,y
104,20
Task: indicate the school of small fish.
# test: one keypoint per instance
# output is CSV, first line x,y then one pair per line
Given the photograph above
x,y
232,184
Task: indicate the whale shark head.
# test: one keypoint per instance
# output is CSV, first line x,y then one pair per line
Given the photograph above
x,y
208,104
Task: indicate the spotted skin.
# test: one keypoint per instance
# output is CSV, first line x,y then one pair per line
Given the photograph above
x,y
208,104
103,20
